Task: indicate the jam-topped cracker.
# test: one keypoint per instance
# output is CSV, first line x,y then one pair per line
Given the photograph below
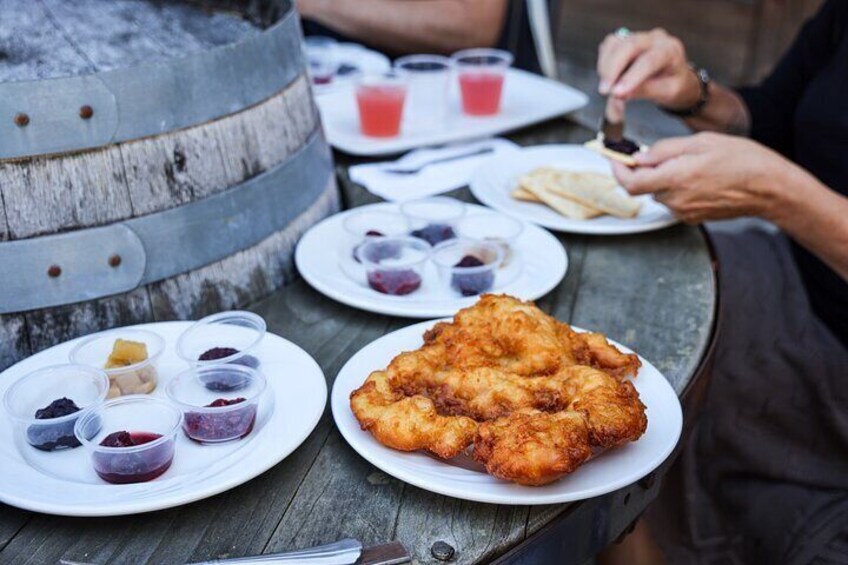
x,y
598,146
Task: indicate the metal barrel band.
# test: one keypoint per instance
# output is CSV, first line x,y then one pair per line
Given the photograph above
x,y
42,117
92,263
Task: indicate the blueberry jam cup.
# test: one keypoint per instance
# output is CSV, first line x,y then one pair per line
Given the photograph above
x,y
433,219
131,439
213,414
136,378
394,265
45,404
223,338
467,266
361,225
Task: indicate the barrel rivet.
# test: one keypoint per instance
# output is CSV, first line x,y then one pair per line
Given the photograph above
x,y
54,271
21,119
86,112
442,551
114,260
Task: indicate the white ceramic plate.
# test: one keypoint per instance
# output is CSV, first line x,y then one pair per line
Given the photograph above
x,y
610,471
496,179
318,259
63,482
358,59
528,99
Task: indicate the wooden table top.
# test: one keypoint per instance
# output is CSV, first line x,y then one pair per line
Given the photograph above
x,y
655,292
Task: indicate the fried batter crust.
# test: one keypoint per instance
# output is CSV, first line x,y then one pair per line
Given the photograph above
x,y
535,397
533,448
409,423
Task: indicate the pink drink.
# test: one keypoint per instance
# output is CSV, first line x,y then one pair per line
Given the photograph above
x,y
481,92
380,109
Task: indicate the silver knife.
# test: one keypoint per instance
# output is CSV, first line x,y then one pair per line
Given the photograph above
x,y
343,552
612,122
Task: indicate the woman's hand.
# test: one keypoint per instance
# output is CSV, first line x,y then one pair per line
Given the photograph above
x,y
710,176
650,65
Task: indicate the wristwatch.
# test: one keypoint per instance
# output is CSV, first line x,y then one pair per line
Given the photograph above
x,y
704,80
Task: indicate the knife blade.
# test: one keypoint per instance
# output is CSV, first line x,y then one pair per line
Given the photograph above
x,y
612,121
343,552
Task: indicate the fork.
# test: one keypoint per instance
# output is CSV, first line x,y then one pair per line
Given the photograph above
x,y
401,170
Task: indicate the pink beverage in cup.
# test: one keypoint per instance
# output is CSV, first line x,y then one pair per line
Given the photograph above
x,y
380,100
481,77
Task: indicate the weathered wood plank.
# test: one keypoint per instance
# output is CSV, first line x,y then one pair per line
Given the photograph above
x,y
14,340
231,282
47,195
477,532
11,522
341,496
169,170
277,128
52,38
74,320
667,316
32,48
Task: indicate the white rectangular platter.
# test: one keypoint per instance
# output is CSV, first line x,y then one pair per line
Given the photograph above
x,y
528,99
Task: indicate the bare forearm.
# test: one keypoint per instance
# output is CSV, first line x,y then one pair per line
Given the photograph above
x,y
725,112
407,26
815,216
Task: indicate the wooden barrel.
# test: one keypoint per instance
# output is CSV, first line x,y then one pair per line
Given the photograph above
x,y
157,161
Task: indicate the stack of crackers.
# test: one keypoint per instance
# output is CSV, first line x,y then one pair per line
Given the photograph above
x,y
579,195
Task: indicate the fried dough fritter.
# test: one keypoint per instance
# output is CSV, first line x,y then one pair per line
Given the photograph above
x,y
409,423
515,336
535,397
533,448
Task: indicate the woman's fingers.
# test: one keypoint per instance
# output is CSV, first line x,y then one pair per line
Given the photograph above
x,y
618,53
665,176
665,150
647,65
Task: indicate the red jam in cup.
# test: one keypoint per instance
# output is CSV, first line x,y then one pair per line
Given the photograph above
x,y
132,466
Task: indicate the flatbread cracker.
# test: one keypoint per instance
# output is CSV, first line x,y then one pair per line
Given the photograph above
x,y
597,146
525,195
608,201
565,206
595,181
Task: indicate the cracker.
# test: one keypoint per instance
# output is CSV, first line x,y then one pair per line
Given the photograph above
x,y
539,187
525,195
595,181
608,201
597,146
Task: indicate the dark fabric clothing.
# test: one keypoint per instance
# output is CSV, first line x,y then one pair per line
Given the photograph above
x,y
764,477
515,37
801,110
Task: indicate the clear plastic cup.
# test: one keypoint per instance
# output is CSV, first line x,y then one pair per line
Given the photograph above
x,y
501,230
223,338
433,219
362,225
218,403
137,378
468,267
394,265
427,99
380,98
139,433
322,59
481,74
59,389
